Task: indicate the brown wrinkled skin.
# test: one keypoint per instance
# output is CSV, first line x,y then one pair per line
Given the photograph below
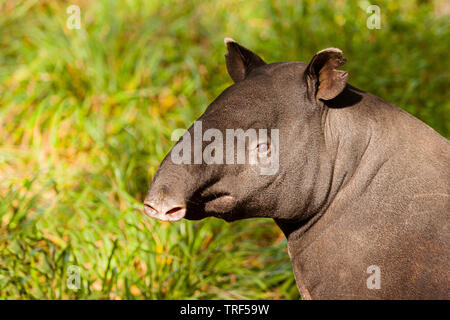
x,y
392,210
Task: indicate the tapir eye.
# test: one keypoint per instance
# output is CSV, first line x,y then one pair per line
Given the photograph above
x,y
263,147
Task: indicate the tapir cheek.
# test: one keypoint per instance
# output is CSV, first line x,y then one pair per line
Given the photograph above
x,y
221,205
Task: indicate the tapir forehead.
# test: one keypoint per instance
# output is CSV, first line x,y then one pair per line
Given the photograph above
x,y
281,70
258,100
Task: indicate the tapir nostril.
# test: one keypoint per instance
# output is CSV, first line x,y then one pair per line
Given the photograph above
x,y
149,207
174,210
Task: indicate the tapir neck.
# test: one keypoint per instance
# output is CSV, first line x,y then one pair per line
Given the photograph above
x,y
346,136
389,178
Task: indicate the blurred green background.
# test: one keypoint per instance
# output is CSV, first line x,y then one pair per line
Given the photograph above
x,y
86,117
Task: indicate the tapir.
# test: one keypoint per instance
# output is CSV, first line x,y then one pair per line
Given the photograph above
x,y
360,189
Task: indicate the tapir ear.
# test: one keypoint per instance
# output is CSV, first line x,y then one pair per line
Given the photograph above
x,y
240,61
323,80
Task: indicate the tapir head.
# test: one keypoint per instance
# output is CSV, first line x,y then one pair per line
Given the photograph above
x,y
256,150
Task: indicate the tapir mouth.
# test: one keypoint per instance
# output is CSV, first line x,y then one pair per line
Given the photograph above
x,y
214,204
220,203
206,204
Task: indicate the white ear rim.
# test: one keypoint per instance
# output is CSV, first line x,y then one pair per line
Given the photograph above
x,y
228,40
331,49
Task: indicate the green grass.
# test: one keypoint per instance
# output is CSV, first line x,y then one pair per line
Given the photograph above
x,y
86,117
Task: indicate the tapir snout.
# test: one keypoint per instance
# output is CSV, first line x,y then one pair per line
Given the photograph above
x,y
166,200
164,208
